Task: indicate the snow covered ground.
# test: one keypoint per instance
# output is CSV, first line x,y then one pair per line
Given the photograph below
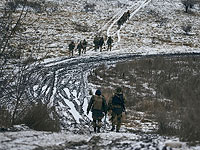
x,y
154,28
35,140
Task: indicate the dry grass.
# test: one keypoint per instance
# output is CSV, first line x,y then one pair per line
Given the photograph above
x,y
5,118
166,87
40,117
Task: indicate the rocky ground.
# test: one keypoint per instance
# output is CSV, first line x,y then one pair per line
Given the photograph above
x,y
27,139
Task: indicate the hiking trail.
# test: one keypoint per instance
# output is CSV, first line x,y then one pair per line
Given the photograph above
x,y
112,29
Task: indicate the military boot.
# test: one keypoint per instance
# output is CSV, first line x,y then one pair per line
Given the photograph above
x,y
113,128
118,127
95,129
98,130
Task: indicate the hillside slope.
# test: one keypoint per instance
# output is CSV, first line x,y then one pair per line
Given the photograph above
x,y
62,80
156,28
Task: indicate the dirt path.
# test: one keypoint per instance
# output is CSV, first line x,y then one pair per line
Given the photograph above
x,y
113,30
35,140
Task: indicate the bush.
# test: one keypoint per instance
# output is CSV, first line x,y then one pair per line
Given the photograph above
x,y
190,130
81,28
187,29
36,5
146,81
89,7
5,118
40,117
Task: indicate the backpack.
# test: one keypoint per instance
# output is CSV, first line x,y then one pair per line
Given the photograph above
x,y
71,46
117,100
98,100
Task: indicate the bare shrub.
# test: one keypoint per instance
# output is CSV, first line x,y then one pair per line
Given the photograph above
x,y
40,117
89,7
38,6
5,117
15,67
153,105
148,80
81,28
51,7
190,125
167,122
187,29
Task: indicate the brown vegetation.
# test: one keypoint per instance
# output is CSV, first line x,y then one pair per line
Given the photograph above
x,y
5,118
40,117
167,87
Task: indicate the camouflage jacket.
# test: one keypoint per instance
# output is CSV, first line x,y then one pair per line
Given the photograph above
x,y
102,106
117,101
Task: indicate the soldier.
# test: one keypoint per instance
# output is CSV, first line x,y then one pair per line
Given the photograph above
x,y
119,23
71,48
84,46
128,14
116,104
123,19
97,105
96,43
101,43
109,43
79,47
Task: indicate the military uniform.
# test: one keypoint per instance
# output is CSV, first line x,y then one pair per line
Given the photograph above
x,y
97,105
123,19
84,46
71,48
109,42
101,43
128,14
79,47
117,105
96,43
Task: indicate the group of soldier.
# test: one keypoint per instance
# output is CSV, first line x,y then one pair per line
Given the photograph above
x,y
82,45
99,107
123,19
97,104
98,40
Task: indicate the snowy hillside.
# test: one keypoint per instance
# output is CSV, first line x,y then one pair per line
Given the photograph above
x,y
154,27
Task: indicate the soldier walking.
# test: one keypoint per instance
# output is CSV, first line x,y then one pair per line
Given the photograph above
x,y
79,47
84,46
101,43
128,14
109,43
123,19
116,104
98,106
96,43
119,23
71,48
